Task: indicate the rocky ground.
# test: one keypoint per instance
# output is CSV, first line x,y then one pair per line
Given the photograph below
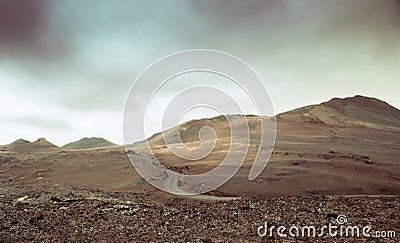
x,y
53,213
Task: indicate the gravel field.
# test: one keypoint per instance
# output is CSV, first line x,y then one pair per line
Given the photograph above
x,y
62,213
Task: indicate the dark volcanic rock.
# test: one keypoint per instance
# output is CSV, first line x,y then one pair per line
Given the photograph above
x,y
58,213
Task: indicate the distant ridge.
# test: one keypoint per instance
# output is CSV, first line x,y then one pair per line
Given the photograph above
x,y
88,143
21,145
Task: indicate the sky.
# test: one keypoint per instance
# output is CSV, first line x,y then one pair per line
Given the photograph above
x,y
66,67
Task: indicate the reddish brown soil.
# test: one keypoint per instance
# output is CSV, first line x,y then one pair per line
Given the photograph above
x,y
61,213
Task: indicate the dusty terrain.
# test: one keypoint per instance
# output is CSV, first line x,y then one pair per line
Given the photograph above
x,y
51,213
341,147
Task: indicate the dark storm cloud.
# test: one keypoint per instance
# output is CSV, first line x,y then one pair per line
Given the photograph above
x,y
25,32
262,16
59,29
22,22
377,20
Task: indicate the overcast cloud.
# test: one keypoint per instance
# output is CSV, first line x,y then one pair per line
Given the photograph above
x,y
66,66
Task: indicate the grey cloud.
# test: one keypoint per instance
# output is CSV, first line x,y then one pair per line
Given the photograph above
x,y
84,55
38,122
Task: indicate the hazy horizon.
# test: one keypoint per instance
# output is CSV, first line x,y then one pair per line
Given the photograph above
x,y
66,67
94,136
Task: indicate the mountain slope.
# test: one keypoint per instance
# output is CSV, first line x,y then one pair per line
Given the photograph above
x,y
335,118
349,112
87,143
